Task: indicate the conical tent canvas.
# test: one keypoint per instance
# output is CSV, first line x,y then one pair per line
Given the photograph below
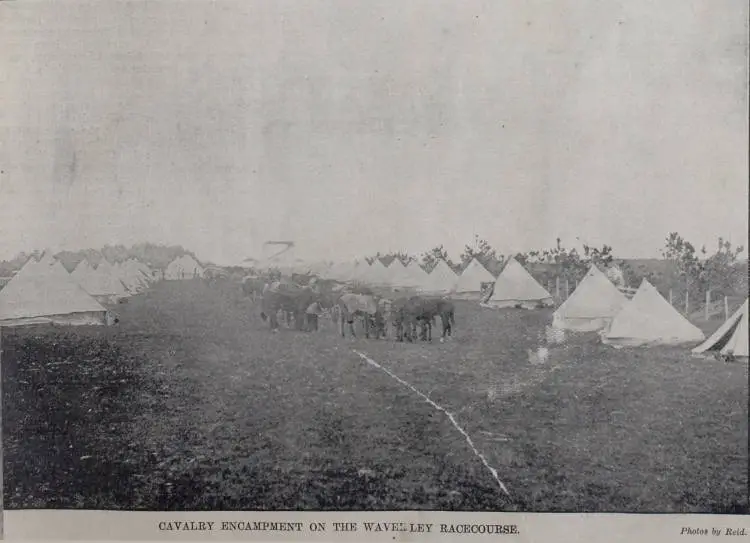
x,y
417,276
336,271
442,279
397,274
131,277
592,306
191,267
377,273
344,271
44,292
82,270
648,319
360,271
471,279
175,270
184,267
731,338
516,287
145,269
103,283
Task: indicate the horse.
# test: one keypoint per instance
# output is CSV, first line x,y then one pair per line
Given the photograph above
x,y
446,311
253,287
293,300
351,305
417,312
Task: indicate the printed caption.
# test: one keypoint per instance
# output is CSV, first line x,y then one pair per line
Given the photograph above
x,y
716,532
341,527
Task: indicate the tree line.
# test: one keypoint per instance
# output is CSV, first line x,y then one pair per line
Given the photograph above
x,y
682,267
155,255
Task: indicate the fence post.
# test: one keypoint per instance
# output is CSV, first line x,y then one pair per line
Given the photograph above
x,y
726,308
687,302
567,289
557,287
670,297
708,303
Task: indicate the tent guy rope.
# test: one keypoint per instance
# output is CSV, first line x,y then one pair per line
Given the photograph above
x,y
450,416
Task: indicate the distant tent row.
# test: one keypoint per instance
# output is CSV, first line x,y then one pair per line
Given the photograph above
x,y
44,292
442,278
110,282
514,287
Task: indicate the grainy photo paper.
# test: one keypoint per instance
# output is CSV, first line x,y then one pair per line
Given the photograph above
x,y
389,270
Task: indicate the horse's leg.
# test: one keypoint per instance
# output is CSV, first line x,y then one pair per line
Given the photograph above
x,y
351,326
341,323
366,325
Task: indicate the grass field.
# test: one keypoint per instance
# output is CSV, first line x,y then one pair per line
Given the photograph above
x,y
191,404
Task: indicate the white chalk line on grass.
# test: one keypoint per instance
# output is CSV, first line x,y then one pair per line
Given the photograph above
x,y
450,416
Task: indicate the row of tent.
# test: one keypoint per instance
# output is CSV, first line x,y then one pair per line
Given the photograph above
x,y
113,281
513,287
44,292
646,319
595,305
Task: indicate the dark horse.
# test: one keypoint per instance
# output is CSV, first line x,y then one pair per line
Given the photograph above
x,y
418,313
293,300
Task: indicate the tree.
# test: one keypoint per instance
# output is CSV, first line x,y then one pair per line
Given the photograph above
x,y
696,273
720,271
431,258
388,258
684,267
568,264
481,249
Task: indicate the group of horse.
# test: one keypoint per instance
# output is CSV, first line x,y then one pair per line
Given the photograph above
x,y
302,301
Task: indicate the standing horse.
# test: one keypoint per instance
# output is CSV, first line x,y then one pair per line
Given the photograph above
x,y
252,287
418,313
292,299
352,305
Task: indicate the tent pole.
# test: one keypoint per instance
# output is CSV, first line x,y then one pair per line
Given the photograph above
x,y
726,308
708,303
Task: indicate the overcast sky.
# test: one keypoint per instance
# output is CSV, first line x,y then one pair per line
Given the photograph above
x,y
352,127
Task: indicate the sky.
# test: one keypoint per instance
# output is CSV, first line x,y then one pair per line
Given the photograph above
x,y
356,127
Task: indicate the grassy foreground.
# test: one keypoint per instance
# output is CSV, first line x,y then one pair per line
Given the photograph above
x,y
191,404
